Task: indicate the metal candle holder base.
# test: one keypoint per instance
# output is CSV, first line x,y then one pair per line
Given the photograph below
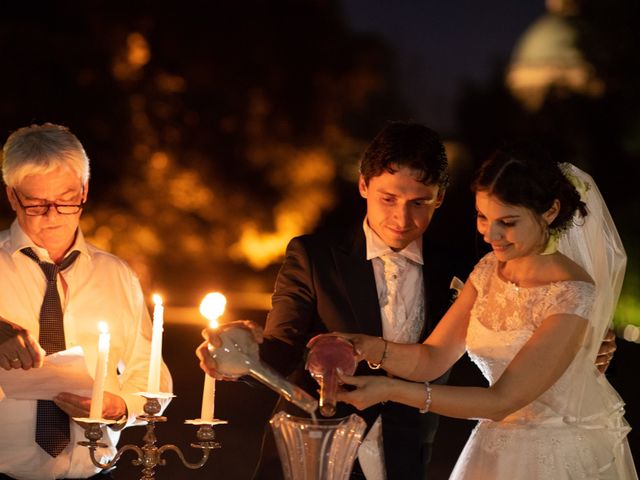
x,y
149,456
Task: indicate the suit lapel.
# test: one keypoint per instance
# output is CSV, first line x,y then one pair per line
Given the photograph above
x,y
359,283
437,293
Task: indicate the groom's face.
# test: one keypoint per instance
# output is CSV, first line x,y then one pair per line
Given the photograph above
x,y
399,207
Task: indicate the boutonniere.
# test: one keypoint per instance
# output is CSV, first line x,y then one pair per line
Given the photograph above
x,y
456,285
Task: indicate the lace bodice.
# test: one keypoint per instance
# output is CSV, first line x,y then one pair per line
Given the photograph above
x,y
505,316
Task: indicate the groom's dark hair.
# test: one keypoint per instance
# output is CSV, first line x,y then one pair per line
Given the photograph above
x,y
410,145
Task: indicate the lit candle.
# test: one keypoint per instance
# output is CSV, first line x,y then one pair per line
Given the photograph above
x,y
211,307
155,361
97,393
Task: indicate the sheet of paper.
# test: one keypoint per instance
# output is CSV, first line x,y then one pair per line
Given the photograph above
x,y
65,371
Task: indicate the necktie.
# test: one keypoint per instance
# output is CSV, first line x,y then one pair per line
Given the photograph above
x,y
394,266
52,424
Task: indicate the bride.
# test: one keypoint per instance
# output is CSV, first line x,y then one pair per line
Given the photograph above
x,y
531,316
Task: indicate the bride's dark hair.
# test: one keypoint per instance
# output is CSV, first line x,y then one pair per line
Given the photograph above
x,y
524,174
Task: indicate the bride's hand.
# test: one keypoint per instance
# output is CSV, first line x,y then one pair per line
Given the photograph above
x,y
370,390
366,347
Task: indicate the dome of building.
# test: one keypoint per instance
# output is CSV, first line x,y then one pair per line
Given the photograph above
x,y
550,40
548,55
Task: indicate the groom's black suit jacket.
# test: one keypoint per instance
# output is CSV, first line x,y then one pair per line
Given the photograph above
x,y
326,284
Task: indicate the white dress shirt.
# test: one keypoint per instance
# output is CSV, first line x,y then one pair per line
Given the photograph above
x,y
410,289
100,287
410,286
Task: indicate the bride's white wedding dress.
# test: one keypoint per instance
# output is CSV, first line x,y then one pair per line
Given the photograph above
x,y
576,429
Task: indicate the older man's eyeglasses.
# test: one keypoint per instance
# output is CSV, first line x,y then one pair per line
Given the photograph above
x,y
43,208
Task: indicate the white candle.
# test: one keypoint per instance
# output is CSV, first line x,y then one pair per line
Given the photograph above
x,y
97,393
155,360
211,307
208,398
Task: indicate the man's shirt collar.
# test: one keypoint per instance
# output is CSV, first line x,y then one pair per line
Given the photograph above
x,y
19,240
376,246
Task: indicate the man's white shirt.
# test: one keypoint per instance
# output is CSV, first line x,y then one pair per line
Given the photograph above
x,y
411,294
99,287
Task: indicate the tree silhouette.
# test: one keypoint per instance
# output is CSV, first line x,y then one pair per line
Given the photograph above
x,y
215,134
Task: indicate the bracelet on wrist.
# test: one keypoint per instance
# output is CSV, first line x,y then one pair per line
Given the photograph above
x,y
427,400
377,366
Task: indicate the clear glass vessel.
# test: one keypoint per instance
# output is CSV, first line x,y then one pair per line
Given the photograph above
x,y
239,355
322,449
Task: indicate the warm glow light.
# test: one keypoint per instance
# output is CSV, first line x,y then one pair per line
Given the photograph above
x,y
138,53
132,57
307,187
103,327
157,299
212,306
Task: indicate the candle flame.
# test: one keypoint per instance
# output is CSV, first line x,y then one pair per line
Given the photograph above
x,y
103,327
157,299
212,306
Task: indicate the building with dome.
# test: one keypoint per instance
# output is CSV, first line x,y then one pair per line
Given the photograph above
x,y
548,56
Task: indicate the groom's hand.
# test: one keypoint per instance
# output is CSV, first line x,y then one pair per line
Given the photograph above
x,y
606,351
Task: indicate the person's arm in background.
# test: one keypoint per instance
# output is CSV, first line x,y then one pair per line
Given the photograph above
x,y
18,348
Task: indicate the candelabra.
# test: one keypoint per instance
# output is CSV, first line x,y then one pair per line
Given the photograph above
x,y
149,456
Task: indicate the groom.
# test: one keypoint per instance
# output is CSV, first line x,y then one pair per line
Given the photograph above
x,y
379,278
341,281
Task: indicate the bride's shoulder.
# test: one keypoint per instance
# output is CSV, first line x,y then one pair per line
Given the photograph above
x,y
563,269
485,267
486,264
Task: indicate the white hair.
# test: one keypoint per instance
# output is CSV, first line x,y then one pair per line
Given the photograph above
x,y
39,149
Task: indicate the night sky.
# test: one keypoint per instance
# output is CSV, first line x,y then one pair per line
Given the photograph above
x,y
440,45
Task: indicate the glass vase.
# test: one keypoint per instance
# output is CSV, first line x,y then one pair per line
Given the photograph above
x,y
323,449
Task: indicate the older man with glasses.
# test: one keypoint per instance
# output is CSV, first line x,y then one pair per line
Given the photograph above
x,y
53,290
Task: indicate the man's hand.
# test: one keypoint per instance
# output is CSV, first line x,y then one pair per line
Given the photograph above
x,y
212,340
606,351
113,407
18,349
